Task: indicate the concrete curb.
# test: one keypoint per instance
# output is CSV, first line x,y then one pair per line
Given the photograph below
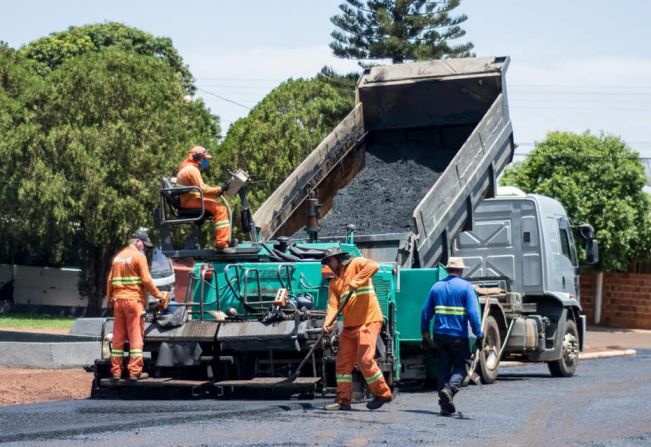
x,y
582,356
48,355
47,351
606,354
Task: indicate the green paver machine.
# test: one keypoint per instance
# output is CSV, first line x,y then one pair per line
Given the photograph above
x,y
255,313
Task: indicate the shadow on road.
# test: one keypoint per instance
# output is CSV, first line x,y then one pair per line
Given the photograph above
x,y
457,415
523,376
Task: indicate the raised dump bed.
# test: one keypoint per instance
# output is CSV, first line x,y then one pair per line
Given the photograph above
x,y
408,165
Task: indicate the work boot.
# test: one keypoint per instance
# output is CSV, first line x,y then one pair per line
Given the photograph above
x,y
140,377
447,410
445,401
336,406
377,402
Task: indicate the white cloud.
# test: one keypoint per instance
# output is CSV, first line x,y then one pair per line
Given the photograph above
x,y
259,70
274,63
581,72
605,94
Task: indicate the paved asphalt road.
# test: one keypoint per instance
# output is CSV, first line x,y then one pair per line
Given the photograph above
x,y
605,404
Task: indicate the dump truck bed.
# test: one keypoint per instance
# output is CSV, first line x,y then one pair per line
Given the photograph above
x,y
408,165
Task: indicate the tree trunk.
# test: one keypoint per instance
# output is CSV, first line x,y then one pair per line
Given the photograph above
x,y
98,266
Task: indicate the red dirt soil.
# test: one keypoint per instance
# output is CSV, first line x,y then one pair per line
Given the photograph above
x,y
19,386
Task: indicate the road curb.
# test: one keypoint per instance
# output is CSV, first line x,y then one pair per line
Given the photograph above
x,y
606,354
582,356
47,351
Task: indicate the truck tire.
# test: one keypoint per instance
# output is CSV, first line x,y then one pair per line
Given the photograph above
x,y
566,365
492,346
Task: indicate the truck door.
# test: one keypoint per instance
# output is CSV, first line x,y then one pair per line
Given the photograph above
x,y
569,259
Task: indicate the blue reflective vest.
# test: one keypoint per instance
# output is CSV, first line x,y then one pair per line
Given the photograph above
x,y
453,303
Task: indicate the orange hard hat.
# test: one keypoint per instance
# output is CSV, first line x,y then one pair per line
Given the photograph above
x,y
199,152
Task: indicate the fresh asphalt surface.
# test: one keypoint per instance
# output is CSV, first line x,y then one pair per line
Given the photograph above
x,y
605,404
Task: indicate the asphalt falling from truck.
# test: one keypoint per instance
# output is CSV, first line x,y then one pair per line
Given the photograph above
x,y
383,196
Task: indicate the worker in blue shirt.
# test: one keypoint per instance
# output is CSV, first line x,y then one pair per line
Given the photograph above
x,y
453,303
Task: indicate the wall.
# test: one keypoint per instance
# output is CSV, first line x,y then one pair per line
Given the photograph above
x,y
44,286
625,302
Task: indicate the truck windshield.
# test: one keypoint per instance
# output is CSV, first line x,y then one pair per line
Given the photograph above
x,y
161,267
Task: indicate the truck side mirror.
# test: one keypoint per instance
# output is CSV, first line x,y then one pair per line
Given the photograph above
x,y
586,231
592,251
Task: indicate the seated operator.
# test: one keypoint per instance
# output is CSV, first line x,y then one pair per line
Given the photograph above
x,y
190,175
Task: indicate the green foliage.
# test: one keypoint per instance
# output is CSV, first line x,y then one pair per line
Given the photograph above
x,y
35,321
82,161
17,86
400,30
599,180
284,127
52,51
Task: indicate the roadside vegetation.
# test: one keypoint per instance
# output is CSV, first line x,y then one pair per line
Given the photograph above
x,y
35,321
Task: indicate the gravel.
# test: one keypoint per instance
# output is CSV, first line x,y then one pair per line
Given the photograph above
x,y
383,196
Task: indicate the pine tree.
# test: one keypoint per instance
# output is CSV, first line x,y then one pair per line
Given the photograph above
x,y
400,30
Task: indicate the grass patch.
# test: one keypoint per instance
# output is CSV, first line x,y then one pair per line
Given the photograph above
x,y
35,321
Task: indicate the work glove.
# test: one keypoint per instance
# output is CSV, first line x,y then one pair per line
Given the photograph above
x,y
479,342
164,301
226,184
327,329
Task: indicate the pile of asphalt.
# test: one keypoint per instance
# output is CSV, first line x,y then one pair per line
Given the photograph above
x,y
383,196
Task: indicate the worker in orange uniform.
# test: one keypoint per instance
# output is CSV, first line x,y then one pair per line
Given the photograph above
x,y
190,175
362,323
126,284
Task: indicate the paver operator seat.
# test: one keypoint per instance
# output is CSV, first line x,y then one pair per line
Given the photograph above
x,y
171,211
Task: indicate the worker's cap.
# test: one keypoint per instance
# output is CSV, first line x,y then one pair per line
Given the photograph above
x,y
455,263
333,252
199,152
143,236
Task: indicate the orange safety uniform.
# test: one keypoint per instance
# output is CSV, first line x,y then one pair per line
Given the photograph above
x,y
126,282
362,323
189,175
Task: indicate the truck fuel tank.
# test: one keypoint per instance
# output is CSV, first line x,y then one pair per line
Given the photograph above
x,y
525,335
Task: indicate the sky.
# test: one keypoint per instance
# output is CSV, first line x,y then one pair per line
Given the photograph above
x,y
576,65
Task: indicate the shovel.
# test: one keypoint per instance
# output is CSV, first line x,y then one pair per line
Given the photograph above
x,y
293,377
471,373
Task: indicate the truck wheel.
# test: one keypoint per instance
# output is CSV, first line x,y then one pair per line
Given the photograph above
x,y
492,344
566,365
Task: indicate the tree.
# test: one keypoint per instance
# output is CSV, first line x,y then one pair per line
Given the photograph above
x,y
599,180
83,171
50,52
284,127
18,83
400,30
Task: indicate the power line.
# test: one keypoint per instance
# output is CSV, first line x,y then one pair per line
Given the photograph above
x,y
240,79
585,157
597,86
223,99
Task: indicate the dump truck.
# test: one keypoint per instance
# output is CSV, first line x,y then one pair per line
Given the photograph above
x,y
396,181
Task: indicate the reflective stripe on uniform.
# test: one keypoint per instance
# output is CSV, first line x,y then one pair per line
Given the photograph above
x,y
117,353
344,378
126,280
222,223
450,310
135,352
374,378
364,290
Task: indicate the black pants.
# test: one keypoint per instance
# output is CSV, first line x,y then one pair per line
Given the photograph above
x,y
452,353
